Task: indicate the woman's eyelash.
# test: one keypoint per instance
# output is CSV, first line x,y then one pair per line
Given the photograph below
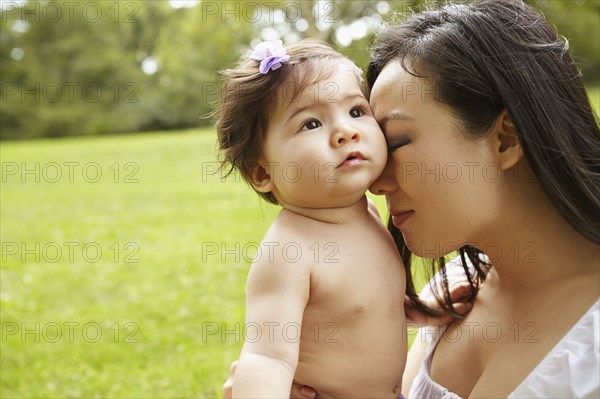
x,y
394,145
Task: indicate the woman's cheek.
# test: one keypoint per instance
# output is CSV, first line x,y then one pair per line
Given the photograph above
x,y
395,162
406,171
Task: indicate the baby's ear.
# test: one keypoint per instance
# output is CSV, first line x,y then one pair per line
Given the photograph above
x,y
261,180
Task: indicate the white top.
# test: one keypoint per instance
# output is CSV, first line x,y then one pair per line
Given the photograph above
x,y
570,370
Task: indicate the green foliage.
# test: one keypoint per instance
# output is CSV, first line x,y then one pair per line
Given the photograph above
x,y
74,78
82,75
79,72
168,206
579,22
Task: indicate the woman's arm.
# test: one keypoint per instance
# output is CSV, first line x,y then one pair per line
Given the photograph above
x,y
459,291
415,358
298,391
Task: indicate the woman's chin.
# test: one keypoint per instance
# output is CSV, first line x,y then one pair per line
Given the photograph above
x,y
429,249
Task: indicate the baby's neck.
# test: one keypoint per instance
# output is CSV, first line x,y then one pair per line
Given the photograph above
x,y
358,211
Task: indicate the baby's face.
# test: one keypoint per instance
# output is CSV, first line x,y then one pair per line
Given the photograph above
x,y
324,149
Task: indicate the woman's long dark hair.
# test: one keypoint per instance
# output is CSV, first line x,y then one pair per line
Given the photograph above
x,y
492,55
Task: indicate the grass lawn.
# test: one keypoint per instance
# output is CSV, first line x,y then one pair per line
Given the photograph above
x,y
109,281
123,267
124,261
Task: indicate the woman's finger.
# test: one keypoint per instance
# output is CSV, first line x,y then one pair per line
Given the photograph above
x,y
462,308
302,392
228,385
460,291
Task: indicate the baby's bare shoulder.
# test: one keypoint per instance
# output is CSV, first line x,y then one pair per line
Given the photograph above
x,y
290,240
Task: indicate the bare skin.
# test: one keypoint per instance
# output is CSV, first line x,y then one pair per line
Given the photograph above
x,y
545,274
328,263
344,351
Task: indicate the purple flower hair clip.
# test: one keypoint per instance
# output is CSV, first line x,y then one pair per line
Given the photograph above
x,y
271,55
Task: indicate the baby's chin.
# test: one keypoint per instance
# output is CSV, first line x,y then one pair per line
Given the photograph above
x,y
325,201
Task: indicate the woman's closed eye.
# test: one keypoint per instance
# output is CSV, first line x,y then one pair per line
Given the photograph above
x,y
395,144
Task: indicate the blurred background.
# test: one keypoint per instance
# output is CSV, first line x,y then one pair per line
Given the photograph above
x,y
106,67
124,251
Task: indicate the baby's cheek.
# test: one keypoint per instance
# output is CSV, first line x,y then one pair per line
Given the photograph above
x,y
380,150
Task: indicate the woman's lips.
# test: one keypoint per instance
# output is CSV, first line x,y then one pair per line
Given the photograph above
x,y
400,217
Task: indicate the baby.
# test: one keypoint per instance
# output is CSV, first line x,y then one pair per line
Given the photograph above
x,y
325,293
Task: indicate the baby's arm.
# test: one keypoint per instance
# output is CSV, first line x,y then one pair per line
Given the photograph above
x,y
276,295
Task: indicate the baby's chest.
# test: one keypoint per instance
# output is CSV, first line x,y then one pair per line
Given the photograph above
x,y
357,285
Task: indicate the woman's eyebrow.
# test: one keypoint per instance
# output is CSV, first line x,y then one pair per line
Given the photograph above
x,y
394,116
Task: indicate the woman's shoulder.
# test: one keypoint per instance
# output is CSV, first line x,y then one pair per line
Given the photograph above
x,y
572,368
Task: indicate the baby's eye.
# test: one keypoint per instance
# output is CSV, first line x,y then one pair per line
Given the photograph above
x,y
357,112
311,124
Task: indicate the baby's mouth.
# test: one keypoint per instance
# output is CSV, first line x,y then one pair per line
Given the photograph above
x,y
353,158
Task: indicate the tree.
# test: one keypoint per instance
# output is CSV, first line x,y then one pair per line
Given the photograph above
x,y
72,68
578,21
73,76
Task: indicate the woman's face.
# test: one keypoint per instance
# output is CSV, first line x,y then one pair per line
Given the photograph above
x,y
441,187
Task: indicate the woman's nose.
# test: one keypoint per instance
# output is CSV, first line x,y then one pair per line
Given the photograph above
x,y
344,135
386,182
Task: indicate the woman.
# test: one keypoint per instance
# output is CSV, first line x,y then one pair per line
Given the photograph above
x,y
496,93
493,146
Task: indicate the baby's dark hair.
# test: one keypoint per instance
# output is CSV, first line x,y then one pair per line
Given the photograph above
x,y
249,98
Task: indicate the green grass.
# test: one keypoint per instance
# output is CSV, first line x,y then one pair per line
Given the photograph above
x,y
167,221
158,213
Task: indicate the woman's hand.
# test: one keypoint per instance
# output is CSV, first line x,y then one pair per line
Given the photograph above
x,y
228,386
302,392
458,293
298,391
